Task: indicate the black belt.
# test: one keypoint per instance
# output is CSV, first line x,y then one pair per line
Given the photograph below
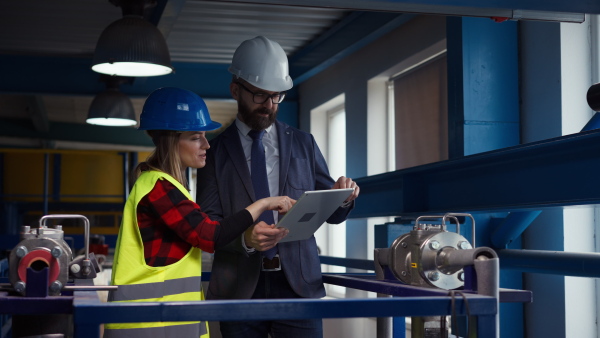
x,y
273,264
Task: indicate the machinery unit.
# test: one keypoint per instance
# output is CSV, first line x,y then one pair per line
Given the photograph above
x,y
46,248
42,268
431,256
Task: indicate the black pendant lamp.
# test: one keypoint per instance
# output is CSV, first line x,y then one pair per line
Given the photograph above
x,y
111,107
132,46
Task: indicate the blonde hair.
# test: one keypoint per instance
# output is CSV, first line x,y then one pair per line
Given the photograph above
x,y
165,156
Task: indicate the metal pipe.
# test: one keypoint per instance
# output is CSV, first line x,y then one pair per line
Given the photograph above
x,y
90,287
463,215
362,264
46,175
512,227
418,220
9,287
488,282
384,324
86,223
457,259
551,262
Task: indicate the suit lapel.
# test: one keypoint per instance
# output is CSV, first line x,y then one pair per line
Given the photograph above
x,y
286,136
231,141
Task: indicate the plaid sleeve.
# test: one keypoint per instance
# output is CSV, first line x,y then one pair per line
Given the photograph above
x,y
179,223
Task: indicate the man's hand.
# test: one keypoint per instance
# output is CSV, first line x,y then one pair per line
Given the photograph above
x,y
346,182
263,237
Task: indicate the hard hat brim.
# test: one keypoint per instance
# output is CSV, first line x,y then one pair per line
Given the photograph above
x,y
159,125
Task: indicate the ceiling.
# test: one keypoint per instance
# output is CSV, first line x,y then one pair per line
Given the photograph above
x,y
197,32
46,47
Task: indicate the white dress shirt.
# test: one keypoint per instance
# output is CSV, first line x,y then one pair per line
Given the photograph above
x,y
271,144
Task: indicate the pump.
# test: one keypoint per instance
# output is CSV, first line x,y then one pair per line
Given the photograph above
x,y
431,256
43,275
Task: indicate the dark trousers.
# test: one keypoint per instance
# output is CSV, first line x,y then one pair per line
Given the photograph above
x,y
273,284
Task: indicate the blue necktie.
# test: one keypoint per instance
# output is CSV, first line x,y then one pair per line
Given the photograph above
x,y
260,182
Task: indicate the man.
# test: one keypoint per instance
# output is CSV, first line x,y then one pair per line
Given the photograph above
x,y
294,164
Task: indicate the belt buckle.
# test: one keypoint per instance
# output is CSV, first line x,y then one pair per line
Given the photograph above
x,y
271,264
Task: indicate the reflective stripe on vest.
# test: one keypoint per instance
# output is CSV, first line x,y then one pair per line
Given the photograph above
x,y
155,290
180,281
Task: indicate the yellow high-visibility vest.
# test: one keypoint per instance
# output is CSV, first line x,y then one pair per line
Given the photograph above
x,y
139,282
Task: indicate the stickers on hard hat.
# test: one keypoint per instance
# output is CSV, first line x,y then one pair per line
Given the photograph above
x,y
413,265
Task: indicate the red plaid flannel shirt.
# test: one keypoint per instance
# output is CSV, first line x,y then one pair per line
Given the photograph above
x,y
170,224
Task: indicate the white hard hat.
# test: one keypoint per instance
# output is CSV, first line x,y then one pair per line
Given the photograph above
x,y
263,64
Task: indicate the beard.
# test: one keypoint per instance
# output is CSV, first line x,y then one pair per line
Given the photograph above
x,y
253,119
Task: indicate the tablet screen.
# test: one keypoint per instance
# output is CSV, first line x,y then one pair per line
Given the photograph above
x,y
311,210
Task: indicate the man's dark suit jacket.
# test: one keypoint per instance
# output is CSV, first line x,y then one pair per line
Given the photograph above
x,y
225,187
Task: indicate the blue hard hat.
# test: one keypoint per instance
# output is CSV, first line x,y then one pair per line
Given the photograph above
x,y
171,108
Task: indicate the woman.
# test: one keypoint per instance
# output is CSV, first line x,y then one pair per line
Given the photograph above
x,y
158,252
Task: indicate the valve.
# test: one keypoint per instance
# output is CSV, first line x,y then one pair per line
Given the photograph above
x,y
45,247
429,255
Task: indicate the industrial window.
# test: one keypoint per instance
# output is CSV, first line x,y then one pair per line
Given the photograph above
x,y
421,113
328,126
336,161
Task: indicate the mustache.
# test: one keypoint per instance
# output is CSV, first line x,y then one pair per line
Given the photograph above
x,y
264,110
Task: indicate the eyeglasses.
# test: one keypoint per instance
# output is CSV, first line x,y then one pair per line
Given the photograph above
x,y
260,98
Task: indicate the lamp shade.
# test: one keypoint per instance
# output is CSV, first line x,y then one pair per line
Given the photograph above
x,y
593,97
132,46
111,108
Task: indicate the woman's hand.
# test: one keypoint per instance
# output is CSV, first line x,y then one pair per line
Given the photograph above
x,y
280,203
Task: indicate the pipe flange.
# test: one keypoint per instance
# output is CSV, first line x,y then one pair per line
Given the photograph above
x,y
430,267
39,255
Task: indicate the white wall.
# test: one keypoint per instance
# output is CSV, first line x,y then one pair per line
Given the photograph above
x,y
576,75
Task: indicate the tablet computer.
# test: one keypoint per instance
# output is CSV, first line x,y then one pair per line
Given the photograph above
x,y
311,210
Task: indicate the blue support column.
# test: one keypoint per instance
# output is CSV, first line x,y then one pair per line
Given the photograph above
x,y
2,174
56,176
126,173
483,86
484,109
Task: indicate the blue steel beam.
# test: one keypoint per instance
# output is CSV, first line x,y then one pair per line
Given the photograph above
x,y
368,282
512,227
74,76
577,264
560,171
326,51
363,264
228,310
19,305
76,132
514,9
89,312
